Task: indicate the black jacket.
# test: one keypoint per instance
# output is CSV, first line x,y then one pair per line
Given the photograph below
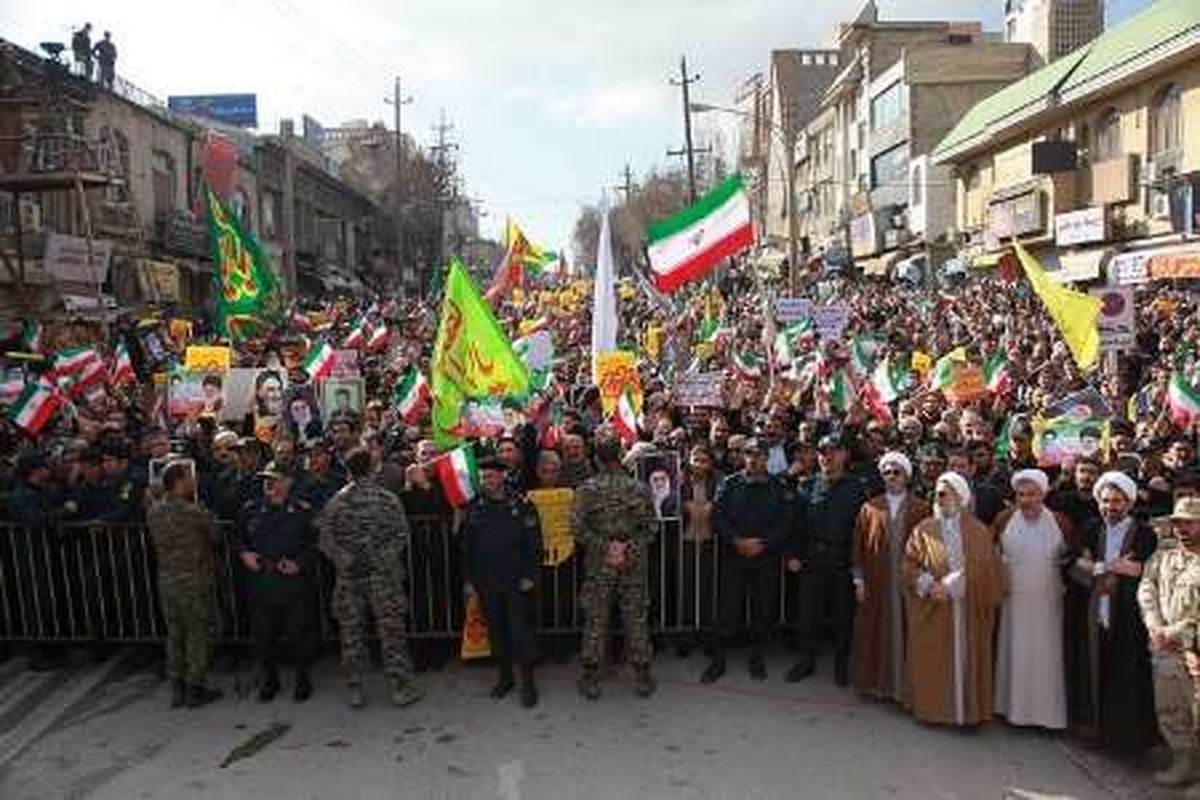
x,y
830,511
501,543
756,509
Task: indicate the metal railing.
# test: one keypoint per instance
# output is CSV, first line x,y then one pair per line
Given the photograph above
x,y
96,583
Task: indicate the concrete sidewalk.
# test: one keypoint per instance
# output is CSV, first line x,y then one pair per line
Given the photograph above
x,y
737,739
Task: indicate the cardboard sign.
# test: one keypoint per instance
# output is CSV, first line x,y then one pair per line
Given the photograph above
x,y
830,320
790,310
199,358
554,513
615,372
1060,441
967,386
1118,328
195,393
701,390
345,364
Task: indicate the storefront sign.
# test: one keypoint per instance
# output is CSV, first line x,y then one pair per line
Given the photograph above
x,y
1081,227
1129,269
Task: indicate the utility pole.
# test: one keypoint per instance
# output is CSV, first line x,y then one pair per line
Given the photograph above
x,y
398,101
627,186
688,151
447,190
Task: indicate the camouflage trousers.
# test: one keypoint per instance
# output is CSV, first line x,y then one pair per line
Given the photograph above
x,y
595,602
1175,702
190,623
355,601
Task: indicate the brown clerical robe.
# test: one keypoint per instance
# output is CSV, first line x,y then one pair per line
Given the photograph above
x,y
880,630
937,668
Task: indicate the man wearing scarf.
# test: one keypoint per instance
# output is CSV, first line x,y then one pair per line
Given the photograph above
x,y
1030,681
880,535
1108,561
953,586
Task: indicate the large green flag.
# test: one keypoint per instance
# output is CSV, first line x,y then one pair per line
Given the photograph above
x,y
248,294
472,357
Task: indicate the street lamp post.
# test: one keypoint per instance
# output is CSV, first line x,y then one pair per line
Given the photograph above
x,y
788,141
398,100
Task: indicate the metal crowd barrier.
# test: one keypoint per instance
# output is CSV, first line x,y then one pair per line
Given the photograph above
x,y
96,583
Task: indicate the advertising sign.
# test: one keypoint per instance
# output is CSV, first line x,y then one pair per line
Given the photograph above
x,y
238,110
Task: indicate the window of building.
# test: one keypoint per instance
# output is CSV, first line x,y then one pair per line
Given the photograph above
x,y
888,107
890,168
1166,123
918,187
806,59
1108,136
163,181
833,59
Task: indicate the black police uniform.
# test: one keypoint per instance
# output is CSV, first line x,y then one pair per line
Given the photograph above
x,y
759,508
824,547
502,546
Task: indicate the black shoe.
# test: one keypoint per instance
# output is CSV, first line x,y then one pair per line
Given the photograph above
x,y
589,683
178,694
304,687
802,670
841,672
758,669
268,689
714,671
504,683
202,695
529,692
645,684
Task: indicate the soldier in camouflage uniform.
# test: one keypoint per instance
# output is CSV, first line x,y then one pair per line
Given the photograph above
x,y
1169,596
614,522
364,532
183,534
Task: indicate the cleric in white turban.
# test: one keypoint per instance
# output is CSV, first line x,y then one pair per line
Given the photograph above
x,y
1034,476
895,458
1118,480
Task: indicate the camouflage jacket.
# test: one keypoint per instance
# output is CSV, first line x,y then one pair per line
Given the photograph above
x,y
183,535
1169,594
612,506
364,531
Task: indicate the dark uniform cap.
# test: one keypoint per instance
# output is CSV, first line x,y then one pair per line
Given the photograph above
x,y
831,441
491,463
274,470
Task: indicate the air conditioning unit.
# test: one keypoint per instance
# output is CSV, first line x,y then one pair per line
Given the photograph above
x,y
1160,203
31,217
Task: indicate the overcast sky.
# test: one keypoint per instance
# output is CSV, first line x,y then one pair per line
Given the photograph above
x,y
549,98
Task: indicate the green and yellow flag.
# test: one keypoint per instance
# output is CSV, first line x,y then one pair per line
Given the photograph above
x,y
1077,315
472,357
248,293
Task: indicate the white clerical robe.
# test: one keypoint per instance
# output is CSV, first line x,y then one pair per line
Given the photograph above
x,y
1030,678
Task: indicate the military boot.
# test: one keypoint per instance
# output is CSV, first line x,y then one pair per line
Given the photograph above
x,y
504,682
200,695
589,682
178,694
529,693
1182,770
304,686
355,697
405,693
269,686
644,683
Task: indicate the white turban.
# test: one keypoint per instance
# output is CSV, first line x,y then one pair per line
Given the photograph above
x,y
896,459
1118,480
1034,476
960,486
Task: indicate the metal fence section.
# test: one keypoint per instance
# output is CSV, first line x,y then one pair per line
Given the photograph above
x,y
93,583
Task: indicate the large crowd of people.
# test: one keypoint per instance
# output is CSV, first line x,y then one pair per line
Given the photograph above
x,y
926,538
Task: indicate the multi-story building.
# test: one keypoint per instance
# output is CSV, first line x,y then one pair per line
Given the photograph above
x,y
1054,27
1092,161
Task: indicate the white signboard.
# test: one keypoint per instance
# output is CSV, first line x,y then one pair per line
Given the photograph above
x,y
831,319
1129,269
700,390
67,259
1117,325
790,310
1081,227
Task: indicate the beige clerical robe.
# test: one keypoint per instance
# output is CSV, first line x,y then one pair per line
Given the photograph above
x,y
950,643
880,631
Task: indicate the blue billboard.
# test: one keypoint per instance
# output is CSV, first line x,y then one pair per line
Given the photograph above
x,y
239,110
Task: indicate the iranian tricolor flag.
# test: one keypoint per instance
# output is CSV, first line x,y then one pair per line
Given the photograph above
x,y
357,336
122,367
688,245
889,381
378,339
876,404
319,362
748,365
860,355
74,360
839,391
943,371
1183,400
92,374
411,395
458,475
35,407
625,418
996,374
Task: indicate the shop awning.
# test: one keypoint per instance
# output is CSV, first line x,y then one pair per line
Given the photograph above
x,y
1175,265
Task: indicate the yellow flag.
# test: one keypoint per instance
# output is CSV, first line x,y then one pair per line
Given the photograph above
x,y
1076,314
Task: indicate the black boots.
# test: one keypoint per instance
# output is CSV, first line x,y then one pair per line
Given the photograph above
x,y
644,684
589,682
304,686
504,682
758,666
269,686
199,695
529,694
178,694
841,671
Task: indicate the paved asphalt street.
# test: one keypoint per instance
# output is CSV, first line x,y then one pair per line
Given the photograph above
x,y
738,739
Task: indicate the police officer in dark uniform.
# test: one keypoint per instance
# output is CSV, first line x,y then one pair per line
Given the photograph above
x,y
754,516
502,552
278,547
829,509
318,483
